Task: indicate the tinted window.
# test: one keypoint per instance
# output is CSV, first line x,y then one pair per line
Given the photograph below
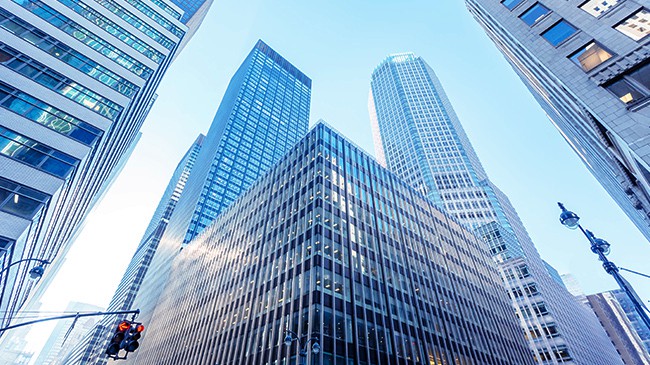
x,y
625,91
559,32
535,13
510,4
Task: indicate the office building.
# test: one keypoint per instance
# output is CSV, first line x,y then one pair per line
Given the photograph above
x,y
586,63
64,335
264,112
423,142
91,348
618,327
330,243
77,79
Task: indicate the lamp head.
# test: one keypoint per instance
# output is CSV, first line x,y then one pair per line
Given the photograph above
x,y
603,246
315,348
36,272
568,218
288,339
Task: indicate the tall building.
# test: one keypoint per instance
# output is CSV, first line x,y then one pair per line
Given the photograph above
x,y
91,348
330,243
77,79
423,142
64,334
264,112
618,327
586,63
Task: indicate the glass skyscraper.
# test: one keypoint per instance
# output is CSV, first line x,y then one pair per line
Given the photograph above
x,y
77,79
420,138
264,112
90,349
332,244
586,64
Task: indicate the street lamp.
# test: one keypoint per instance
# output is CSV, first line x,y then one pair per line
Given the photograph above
x,y
35,273
303,344
602,248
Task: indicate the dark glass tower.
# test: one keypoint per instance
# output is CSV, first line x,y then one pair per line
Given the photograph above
x,y
264,112
332,244
423,142
91,348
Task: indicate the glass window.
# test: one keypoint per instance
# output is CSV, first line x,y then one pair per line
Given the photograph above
x,y
633,86
625,91
534,14
636,26
590,56
35,154
510,4
559,32
83,35
598,7
20,200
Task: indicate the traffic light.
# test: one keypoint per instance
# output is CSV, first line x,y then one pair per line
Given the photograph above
x,y
130,343
116,342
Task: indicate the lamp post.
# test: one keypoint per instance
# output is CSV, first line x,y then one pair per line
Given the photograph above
x,y
303,343
602,248
35,273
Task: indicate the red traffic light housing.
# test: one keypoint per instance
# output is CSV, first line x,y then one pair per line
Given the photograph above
x,y
125,338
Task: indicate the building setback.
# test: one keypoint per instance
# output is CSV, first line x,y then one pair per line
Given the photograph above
x,y
91,348
423,142
77,79
619,328
330,243
264,112
586,63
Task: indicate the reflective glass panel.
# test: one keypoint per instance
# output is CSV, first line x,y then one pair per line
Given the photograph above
x,y
534,14
636,26
559,32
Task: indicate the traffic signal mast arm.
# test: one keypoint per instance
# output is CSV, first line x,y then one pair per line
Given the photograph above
x,y
77,315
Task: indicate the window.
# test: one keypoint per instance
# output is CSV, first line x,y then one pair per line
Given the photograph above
x,y
559,32
636,26
47,115
534,14
598,7
590,56
510,4
632,86
36,154
20,200
4,244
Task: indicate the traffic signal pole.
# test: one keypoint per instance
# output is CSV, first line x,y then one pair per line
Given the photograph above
x,y
135,312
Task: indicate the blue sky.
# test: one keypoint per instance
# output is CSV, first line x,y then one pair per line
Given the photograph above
x,y
338,43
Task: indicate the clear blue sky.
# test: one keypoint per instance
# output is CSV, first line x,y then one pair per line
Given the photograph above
x,y
338,43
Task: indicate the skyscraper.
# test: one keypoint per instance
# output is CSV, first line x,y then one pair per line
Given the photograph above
x,y
264,112
423,142
330,243
586,63
618,327
90,349
77,79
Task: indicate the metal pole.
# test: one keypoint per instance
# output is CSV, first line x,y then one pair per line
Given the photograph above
x,y
634,272
612,270
78,315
